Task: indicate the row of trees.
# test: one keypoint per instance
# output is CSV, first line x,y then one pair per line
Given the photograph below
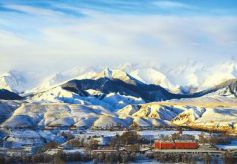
x,y
58,158
118,157
127,138
192,158
215,139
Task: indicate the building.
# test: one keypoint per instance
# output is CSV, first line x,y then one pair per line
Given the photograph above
x,y
178,144
104,151
186,144
159,144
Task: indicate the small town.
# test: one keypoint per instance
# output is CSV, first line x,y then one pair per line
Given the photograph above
x,y
123,147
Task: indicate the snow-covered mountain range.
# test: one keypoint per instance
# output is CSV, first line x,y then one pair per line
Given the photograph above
x,y
130,95
183,78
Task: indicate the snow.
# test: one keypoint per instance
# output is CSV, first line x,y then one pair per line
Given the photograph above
x,y
157,134
12,81
221,118
112,101
72,151
190,115
62,115
52,151
7,108
232,146
152,76
62,77
105,121
52,106
59,114
141,122
186,76
150,114
20,121
116,74
119,101
19,138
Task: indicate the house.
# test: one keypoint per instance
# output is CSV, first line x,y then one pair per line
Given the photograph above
x,y
186,144
159,144
177,144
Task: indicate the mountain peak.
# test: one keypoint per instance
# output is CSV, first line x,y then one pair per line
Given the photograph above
x,y
108,73
12,81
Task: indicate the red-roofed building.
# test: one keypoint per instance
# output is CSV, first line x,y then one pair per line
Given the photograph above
x,y
178,144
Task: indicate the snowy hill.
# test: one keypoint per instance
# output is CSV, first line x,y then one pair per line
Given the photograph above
x,y
54,115
7,95
226,89
110,101
204,115
116,74
140,96
7,108
215,118
12,81
106,86
62,77
187,77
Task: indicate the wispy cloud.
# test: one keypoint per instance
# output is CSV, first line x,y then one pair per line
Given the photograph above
x,y
51,38
35,11
173,5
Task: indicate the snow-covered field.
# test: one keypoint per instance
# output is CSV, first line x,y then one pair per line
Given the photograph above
x,y
231,146
27,137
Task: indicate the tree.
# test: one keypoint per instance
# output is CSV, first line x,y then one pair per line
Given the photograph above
x,y
91,145
68,136
130,137
175,136
202,138
74,143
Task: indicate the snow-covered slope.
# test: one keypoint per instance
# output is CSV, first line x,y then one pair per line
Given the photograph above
x,y
105,86
186,77
152,76
205,113
32,115
62,77
110,101
7,108
107,90
152,114
101,98
219,73
224,89
215,118
12,81
117,74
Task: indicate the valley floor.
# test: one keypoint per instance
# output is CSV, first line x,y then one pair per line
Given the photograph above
x,y
77,145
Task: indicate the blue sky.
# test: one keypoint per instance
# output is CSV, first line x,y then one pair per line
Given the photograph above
x,y
59,34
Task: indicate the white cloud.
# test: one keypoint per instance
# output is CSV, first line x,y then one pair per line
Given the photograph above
x,y
114,39
173,5
33,10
